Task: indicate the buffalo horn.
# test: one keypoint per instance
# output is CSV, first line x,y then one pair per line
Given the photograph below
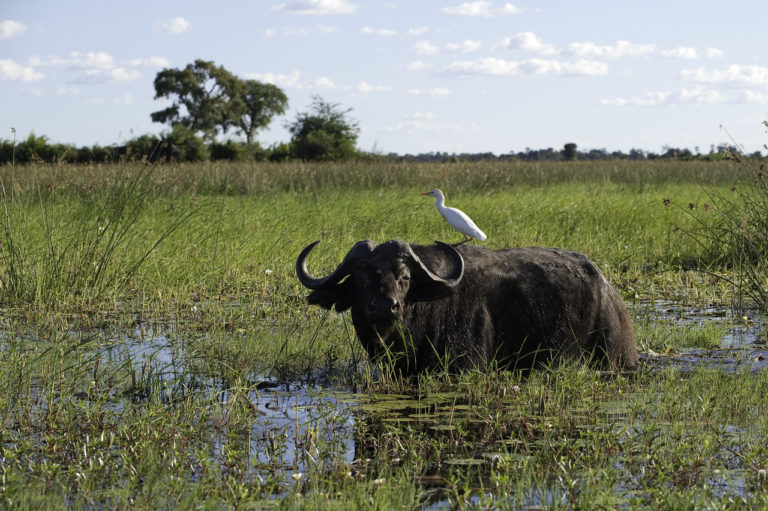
x,y
360,249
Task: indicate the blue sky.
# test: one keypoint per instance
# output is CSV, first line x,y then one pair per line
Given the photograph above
x,y
419,76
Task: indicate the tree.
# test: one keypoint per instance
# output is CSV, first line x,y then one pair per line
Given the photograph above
x,y
253,106
323,133
201,95
569,151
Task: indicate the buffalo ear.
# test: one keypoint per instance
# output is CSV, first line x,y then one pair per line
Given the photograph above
x,y
428,291
340,295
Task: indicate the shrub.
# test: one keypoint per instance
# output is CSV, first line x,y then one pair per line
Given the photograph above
x,y
181,144
323,133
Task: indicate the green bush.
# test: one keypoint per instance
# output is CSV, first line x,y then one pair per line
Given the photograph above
x,y
181,144
280,152
324,133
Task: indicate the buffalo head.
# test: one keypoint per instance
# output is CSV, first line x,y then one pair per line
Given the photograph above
x,y
378,283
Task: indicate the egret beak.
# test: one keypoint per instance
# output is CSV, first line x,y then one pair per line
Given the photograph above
x,y
425,193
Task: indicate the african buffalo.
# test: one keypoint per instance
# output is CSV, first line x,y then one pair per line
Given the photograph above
x,y
466,307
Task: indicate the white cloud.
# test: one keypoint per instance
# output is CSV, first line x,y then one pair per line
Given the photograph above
x,y
696,96
681,52
424,122
485,66
755,97
734,74
529,41
99,67
438,91
650,99
176,26
526,41
430,126
379,31
500,67
68,90
10,29
322,83
417,65
292,80
427,48
510,9
116,74
417,31
299,31
548,66
125,99
121,74
690,53
467,46
11,71
699,96
149,62
288,81
481,9
714,53
77,60
366,88
316,7
620,49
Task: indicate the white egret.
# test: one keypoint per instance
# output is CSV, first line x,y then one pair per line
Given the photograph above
x,y
456,218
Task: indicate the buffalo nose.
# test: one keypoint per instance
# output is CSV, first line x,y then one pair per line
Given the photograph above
x,y
383,307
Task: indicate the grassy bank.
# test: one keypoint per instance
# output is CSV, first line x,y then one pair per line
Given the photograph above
x,y
197,375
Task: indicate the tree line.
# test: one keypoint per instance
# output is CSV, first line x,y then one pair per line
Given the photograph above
x,y
570,152
180,144
207,102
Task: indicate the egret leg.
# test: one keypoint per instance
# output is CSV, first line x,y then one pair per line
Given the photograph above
x,y
466,239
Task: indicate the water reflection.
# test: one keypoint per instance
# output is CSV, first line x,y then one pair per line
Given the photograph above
x,y
302,427
742,328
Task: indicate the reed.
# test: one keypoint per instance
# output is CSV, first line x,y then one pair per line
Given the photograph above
x,y
249,178
736,243
76,243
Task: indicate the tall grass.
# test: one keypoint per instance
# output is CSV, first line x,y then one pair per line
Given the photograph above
x,y
737,240
241,178
70,241
92,233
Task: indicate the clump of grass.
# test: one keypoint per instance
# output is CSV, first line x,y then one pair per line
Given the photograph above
x,y
668,336
74,243
737,241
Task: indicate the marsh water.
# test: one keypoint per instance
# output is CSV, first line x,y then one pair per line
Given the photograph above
x,y
742,336
299,427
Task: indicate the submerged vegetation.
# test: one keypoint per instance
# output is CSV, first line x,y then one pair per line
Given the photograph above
x,y
157,351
